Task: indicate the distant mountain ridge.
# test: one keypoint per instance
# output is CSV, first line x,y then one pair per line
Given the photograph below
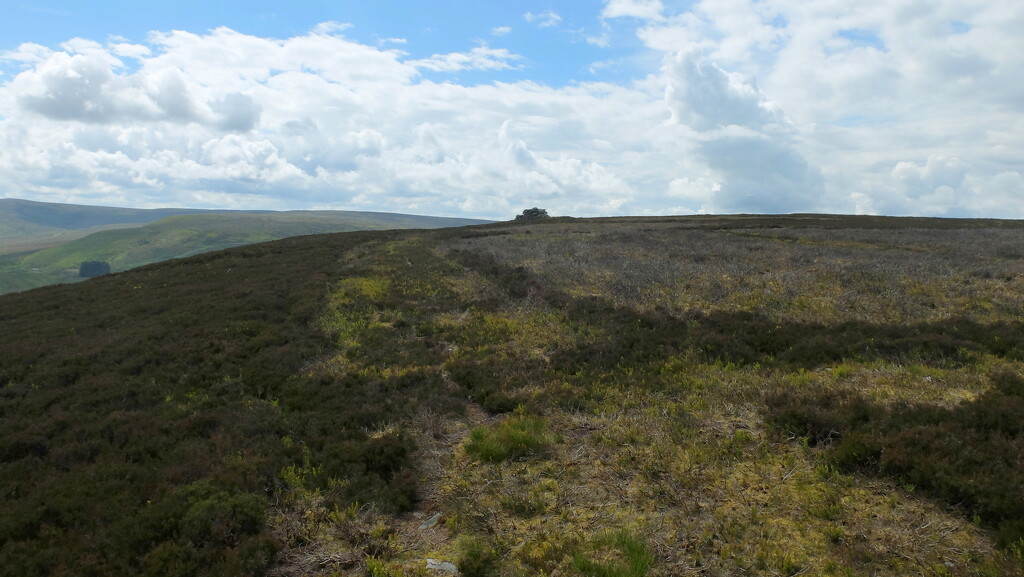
x,y
20,217
44,243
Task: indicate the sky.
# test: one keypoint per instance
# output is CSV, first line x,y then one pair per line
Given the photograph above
x,y
484,109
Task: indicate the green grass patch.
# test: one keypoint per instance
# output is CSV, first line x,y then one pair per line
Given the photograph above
x,y
616,554
517,437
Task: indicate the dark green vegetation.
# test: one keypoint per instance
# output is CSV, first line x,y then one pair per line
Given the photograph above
x,y
44,243
671,396
93,268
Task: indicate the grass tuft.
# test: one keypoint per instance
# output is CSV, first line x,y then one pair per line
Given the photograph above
x,y
517,437
616,554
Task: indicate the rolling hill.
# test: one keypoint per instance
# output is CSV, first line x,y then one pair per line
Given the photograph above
x,y
24,220
45,243
756,395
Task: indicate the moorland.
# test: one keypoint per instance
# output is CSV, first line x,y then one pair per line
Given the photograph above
x,y
720,395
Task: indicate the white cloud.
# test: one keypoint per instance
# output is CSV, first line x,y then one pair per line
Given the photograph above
x,y
501,31
930,189
643,9
865,88
479,58
127,50
909,107
702,95
75,86
236,112
330,28
315,120
743,139
937,172
27,53
760,173
545,19
84,84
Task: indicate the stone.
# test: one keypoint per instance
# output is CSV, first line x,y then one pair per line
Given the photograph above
x,y
429,523
445,566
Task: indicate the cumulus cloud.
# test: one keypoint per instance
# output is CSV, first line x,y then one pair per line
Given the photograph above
x,y
743,138
931,188
128,50
26,54
75,86
874,96
937,172
702,95
757,106
312,121
548,179
236,112
760,174
85,84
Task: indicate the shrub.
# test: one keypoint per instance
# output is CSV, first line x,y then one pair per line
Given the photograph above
x,y
858,451
492,377
377,568
476,558
820,418
223,519
387,455
170,559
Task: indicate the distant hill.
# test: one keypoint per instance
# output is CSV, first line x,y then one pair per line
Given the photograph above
x,y
21,220
736,395
45,243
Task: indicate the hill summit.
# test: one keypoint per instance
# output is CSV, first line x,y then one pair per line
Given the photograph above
x,y
784,395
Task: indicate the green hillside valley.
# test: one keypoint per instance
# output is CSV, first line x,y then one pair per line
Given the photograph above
x,y
46,243
616,397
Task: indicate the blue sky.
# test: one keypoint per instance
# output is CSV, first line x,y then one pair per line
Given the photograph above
x,y
480,109
554,54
